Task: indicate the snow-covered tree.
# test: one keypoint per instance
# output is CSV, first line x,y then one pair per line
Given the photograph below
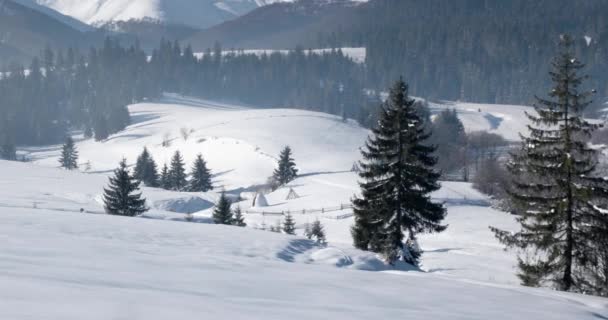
x,y
223,211
120,197
69,155
177,173
146,170
239,219
289,224
561,207
201,176
287,171
317,232
398,177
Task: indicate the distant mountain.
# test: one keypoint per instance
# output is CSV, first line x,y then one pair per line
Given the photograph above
x,y
24,32
72,22
194,13
280,25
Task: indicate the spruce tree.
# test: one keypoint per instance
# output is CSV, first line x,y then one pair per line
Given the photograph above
x,y
239,219
317,232
561,207
69,155
177,173
201,176
223,212
398,177
146,170
289,225
7,148
165,181
120,197
286,172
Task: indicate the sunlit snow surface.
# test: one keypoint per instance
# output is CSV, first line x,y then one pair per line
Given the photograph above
x,y
59,263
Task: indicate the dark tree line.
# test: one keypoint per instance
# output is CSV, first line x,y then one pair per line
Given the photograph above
x,y
472,50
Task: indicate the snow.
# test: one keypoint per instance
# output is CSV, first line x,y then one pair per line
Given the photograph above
x,y
240,145
505,120
588,40
196,13
358,55
62,265
59,263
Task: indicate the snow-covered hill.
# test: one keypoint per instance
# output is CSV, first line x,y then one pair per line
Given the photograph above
x,y
241,145
61,258
197,13
58,263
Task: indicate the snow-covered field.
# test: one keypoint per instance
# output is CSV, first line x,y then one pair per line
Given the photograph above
x,y
505,120
358,55
59,263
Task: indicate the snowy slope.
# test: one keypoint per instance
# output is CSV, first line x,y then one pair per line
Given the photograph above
x,y
505,120
58,263
68,265
241,145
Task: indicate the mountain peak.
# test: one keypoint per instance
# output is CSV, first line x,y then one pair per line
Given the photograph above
x,y
195,13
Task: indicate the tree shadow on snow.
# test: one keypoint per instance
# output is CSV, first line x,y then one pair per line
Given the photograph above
x,y
294,248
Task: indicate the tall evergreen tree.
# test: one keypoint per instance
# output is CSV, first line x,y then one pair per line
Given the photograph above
x,y
177,173
201,176
398,178
239,219
286,172
120,197
223,212
165,180
289,224
560,206
146,170
69,155
8,151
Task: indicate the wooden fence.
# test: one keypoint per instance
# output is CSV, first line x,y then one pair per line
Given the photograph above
x,y
303,211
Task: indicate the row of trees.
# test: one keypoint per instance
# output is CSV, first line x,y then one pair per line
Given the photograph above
x,y
173,177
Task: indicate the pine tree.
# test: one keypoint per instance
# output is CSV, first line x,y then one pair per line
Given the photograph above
x,y
289,225
119,198
398,177
223,213
201,176
239,219
317,232
307,231
560,206
69,155
165,180
286,172
146,170
177,173
7,148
